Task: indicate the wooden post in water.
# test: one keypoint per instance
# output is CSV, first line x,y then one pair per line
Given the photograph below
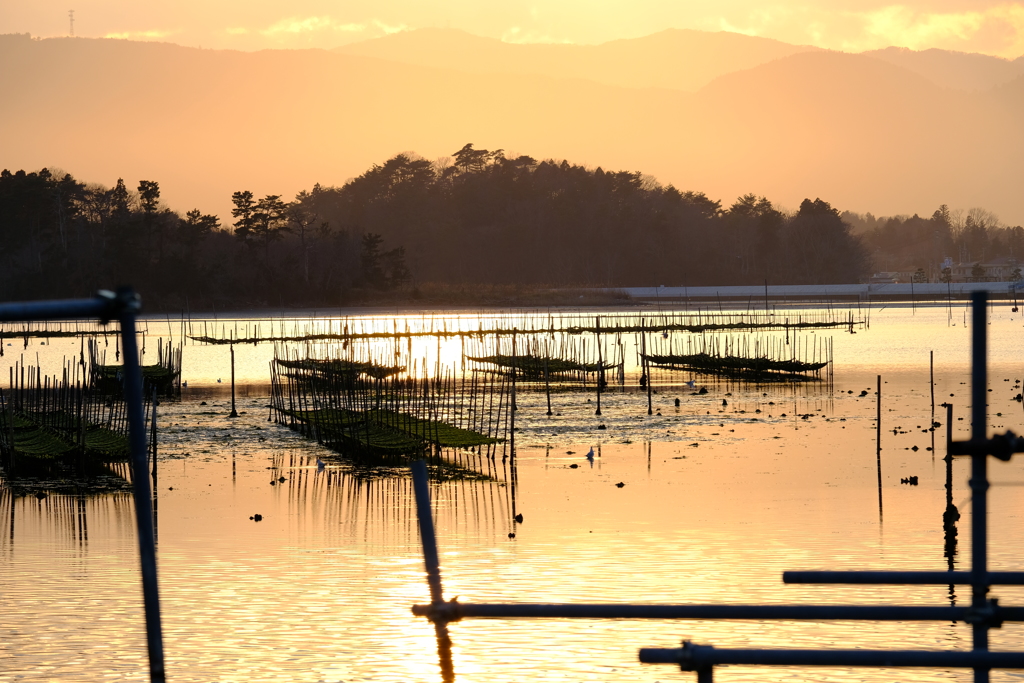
x,y
515,359
547,380
234,413
152,436
600,371
648,371
878,445
931,374
949,429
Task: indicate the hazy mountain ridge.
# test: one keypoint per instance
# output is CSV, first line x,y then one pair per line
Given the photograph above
x,y
677,59
957,70
861,133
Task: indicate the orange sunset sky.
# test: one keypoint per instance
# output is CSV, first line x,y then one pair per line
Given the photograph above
x,y
662,87
993,27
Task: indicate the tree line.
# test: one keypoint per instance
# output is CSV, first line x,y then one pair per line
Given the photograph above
x,y
921,244
479,217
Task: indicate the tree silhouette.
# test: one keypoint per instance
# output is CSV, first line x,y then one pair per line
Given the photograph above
x,y
269,222
245,208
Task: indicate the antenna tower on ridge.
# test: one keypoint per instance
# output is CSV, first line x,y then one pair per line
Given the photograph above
x,y
71,16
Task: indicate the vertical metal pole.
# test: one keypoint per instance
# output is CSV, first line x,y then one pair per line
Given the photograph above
x,y
143,494
705,674
234,413
426,521
979,472
878,445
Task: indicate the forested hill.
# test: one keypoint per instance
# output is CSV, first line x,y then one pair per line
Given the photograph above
x,y
887,133
478,217
485,217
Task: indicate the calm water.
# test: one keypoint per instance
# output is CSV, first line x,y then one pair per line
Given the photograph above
x,y
718,501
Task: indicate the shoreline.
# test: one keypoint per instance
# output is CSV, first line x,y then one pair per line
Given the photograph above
x,y
630,298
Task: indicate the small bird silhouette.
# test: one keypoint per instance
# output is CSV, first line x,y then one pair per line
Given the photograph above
x,y
590,455
219,380
320,464
519,518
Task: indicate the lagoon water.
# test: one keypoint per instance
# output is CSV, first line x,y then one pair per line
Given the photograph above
x,y
718,500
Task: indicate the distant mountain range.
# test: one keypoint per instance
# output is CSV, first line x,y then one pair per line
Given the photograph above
x,y
889,131
677,59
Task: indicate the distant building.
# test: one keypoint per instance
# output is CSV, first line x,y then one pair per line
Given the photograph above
x,y
888,277
1002,269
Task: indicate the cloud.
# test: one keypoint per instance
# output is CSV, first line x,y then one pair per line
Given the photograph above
x,y
995,29
309,25
140,35
1001,27
388,28
517,35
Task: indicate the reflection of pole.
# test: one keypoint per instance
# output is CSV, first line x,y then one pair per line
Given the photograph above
x,y
951,515
426,524
444,652
234,413
878,444
433,566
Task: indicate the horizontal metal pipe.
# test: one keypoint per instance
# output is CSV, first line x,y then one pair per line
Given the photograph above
x,y
702,656
99,307
937,578
453,611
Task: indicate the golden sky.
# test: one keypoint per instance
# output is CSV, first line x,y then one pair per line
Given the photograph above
x,y
993,27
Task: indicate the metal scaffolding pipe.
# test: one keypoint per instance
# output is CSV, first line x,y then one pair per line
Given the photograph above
x,y
453,611
694,657
920,578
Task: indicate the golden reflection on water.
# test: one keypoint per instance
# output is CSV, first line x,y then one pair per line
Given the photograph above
x,y
717,502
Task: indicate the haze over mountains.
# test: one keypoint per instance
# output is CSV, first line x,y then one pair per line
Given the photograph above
x,y
679,59
890,131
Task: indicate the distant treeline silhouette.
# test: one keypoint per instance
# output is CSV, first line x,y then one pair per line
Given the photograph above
x,y
921,244
476,218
